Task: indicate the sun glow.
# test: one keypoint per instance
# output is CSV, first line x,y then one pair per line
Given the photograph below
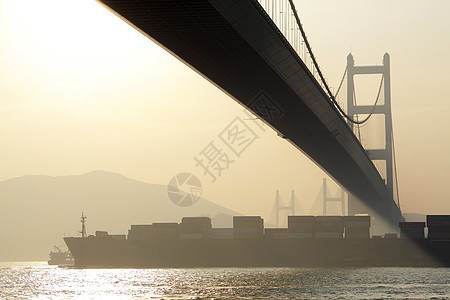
x,y
71,50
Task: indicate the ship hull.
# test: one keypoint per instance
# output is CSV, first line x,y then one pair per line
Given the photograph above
x,y
92,252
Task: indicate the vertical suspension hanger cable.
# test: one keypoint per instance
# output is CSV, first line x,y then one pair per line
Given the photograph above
x,y
355,103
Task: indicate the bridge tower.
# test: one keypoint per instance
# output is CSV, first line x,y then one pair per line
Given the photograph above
x,y
386,154
327,199
279,208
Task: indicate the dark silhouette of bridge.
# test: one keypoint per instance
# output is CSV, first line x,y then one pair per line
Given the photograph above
x,y
241,49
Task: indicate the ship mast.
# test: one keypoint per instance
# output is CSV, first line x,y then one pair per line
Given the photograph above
x,y
83,225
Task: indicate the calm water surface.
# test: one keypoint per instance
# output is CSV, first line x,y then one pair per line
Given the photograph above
x,y
38,280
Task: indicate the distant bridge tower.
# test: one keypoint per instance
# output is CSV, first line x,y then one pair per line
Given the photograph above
x,y
278,207
386,154
327,199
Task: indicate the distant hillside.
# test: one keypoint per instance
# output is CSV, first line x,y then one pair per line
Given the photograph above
x,y
37,211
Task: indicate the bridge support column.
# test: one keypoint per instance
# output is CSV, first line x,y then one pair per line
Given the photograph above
x,y
279,208
385,154
380,224
340,200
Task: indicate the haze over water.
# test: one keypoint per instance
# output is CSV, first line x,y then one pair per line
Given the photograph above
x,y
38,280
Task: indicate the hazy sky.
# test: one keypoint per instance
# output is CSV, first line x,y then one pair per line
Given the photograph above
x,y
81,90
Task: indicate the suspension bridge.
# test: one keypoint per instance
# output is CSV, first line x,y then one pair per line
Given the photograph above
x,y
257,52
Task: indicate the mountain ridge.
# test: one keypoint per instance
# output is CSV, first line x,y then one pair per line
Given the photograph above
x,y
38,210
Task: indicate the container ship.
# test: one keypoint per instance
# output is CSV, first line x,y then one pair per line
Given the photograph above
x,y
308,241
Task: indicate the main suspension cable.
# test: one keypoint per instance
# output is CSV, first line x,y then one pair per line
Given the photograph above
x,y
376,101
340,84
316,65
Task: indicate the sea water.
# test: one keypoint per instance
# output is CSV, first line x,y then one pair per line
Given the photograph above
x,y
30,280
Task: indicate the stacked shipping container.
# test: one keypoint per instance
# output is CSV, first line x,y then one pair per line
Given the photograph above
x,y
301,227
329,227
276,233
357,227
140,232
390,236
101,234
412,230
222,233
438,226
298,227
250,227
119,236
195,228
164,230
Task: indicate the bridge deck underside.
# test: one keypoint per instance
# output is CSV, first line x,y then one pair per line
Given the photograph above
x,y
235,47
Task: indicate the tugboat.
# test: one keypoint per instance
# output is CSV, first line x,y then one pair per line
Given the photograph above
x,y
59,257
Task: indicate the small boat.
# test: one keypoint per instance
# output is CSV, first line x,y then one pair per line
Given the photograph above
x,y
59,257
